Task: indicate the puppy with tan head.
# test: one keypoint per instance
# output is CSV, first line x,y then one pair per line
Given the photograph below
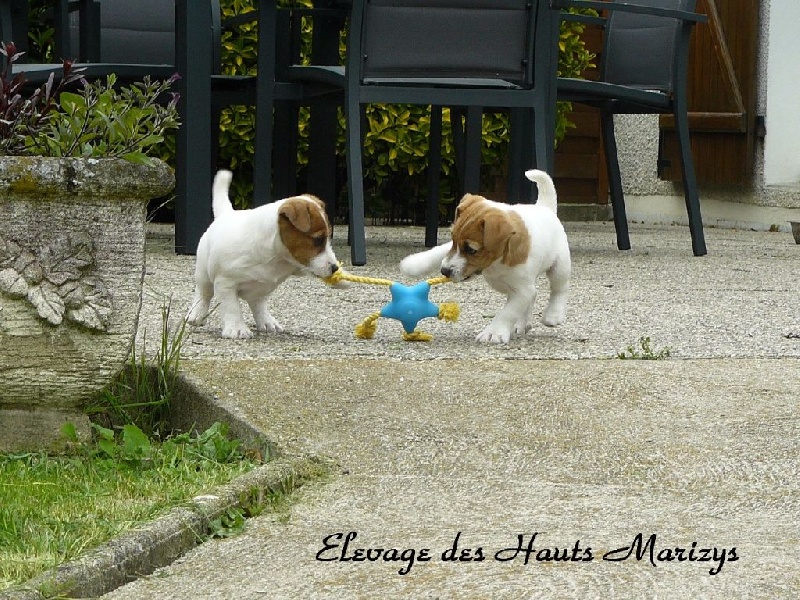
x,y
511,245
248,253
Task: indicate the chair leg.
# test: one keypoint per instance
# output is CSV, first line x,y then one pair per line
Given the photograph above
x,y
690,183
193,149
265,105
216,117
321,154
520,156
285,157
434,172
355,183
542,123
472,150
457,127
262,157
615,181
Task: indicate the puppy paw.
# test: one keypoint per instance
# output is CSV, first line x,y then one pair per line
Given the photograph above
x,y
195,320
270,325
237,332
196,316
494,335
551,318
521,327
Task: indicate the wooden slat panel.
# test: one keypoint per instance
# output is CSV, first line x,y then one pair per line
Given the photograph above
x,y
577,166
578,191
710,122
722,95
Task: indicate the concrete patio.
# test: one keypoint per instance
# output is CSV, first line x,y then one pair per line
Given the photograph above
x,y
551,435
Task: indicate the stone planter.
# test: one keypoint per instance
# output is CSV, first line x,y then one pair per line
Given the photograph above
x,y
72,234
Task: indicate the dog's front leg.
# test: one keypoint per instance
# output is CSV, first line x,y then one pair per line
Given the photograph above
x,y
233,325
514,314
264,319
523,325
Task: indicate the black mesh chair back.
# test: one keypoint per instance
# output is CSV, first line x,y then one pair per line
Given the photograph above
x,y
145,35
488,39
453,53
640,50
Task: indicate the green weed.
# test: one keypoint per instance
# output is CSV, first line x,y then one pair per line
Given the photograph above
x,y
54,508
140,394
647,352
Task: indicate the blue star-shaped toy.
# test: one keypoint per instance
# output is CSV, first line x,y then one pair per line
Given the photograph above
x,y
410,304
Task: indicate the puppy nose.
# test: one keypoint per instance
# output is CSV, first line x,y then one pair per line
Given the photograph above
x,y
447,271
334,268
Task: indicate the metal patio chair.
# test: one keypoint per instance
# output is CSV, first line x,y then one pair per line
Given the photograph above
x,y
643,70
442,53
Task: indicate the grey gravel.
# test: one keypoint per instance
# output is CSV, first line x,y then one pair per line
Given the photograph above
x,y
739,301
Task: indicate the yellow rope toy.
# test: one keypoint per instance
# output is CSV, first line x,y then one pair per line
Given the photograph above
x,y
409,305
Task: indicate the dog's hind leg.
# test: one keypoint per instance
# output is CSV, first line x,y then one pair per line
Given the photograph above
x,y
257,300
559,275
203,292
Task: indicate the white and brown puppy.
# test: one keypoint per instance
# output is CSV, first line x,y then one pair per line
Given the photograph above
x,y
248,253
511,245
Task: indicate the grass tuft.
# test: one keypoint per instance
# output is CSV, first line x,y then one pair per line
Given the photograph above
x,y
141,392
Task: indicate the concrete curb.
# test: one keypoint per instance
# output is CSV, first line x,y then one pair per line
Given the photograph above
x,y
157,544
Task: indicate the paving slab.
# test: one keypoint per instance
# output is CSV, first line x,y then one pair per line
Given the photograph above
x,y
587,455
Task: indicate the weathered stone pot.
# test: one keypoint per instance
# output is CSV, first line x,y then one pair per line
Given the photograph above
x,y
72,235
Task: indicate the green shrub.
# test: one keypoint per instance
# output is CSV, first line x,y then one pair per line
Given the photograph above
x,y
105,121
100,120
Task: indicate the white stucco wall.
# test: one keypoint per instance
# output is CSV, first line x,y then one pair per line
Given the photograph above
x,y
782,143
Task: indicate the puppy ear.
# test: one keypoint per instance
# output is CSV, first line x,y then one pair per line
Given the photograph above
x,y
517,249
497,234
296,212
316,201
466,202
505,238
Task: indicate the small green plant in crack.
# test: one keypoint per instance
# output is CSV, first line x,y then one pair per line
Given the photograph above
x,y
229,523
647,351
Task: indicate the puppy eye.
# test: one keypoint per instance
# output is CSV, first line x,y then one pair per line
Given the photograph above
x,y
319,241
469,250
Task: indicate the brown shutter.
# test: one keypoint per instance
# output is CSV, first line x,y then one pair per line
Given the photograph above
x,y
722,96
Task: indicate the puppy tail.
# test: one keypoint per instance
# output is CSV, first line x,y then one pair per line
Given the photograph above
x,y
422,263
220,202
547,191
